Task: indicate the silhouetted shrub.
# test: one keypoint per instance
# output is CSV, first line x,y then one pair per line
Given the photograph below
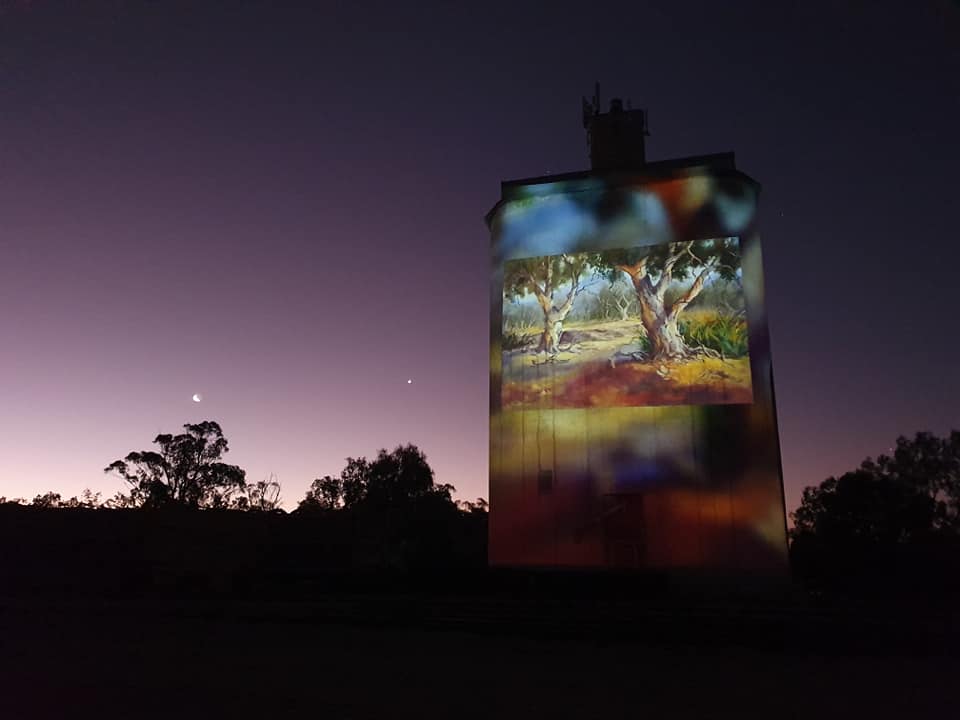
x,y
889,528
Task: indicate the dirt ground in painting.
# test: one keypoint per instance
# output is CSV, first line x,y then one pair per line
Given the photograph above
x,y
597,366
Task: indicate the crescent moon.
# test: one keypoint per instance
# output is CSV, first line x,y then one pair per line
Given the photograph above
x,y
197,397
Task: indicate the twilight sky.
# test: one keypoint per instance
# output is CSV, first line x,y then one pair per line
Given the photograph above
x,y
279,205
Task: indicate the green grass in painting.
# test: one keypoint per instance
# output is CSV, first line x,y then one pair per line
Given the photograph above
x,y
727,334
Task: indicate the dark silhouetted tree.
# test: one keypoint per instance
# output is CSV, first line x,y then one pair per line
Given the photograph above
x,y
353,482
396,516
865,507
47,500
892,516
119,501
478,506
399,478
932,466
325,493
261,496
393,479
186,471
88,499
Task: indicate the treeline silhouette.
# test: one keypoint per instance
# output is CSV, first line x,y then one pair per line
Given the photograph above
x,y
191,521
887,531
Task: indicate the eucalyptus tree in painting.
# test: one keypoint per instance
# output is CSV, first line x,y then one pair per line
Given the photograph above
x,y
555,282
653,269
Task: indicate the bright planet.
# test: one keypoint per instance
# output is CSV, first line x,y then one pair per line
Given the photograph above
x,y
197,397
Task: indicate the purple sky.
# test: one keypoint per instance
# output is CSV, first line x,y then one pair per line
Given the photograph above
x,y
280,206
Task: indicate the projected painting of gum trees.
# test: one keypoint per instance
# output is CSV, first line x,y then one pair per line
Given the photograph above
x,y
653,325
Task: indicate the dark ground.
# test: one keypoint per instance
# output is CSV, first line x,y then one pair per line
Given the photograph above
x,y
134,615
402,655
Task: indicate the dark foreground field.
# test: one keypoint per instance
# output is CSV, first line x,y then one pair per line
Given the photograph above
x,y
394,655
129,614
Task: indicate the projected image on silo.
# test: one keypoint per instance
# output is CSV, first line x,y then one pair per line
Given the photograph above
x,y
632,421
653,325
